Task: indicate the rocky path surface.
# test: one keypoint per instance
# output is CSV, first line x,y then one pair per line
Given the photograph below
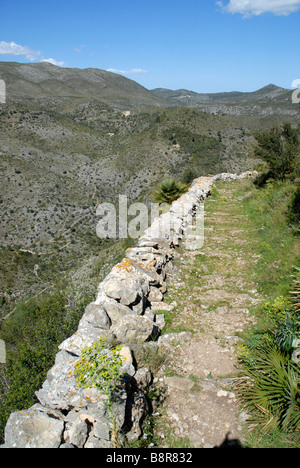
x,y
213,291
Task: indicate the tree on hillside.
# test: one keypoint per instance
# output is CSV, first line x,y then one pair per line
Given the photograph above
x,y
169,191
280,148
188,176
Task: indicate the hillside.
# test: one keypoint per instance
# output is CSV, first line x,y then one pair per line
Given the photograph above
x,y
45,85
71,139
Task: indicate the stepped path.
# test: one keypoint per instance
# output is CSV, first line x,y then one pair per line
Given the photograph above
x,y
214,293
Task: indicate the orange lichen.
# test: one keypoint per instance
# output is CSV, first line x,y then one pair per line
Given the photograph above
x,y
126,265
146,265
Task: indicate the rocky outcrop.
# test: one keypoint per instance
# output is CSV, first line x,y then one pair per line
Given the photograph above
x,y
124,311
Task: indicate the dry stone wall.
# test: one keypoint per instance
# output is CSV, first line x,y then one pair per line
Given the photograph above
x,y
124,310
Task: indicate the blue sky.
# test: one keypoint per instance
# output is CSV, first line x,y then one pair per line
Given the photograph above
x,y
200,45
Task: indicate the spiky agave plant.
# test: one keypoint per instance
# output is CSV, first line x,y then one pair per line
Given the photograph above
x,y
169,191
271,391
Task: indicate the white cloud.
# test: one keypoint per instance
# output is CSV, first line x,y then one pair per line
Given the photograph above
x,y
258,7
11,48
54,62
133,71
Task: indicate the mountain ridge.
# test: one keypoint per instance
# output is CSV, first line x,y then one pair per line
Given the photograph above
x,y
273,96
70,86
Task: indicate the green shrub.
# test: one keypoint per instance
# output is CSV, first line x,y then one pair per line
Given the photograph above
x,y
279,147
284,327
188,176
99,367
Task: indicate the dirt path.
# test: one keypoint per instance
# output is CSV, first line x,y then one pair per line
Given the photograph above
x,y
213,291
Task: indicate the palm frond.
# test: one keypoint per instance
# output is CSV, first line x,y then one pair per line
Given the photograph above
x,y
169,191
271,391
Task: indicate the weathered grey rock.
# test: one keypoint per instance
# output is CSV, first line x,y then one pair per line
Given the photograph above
x,y
155,259
83,338
95,443
155,295
114,309
160,321
140,306
180,383
139,409
119,401
93,407
168,340
60,390
34,428
147,270
162,306
76,432
96,316
127,369
102,430
125,290
167,226
133,329
159,245
150,315
127,362
143,378
126,355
